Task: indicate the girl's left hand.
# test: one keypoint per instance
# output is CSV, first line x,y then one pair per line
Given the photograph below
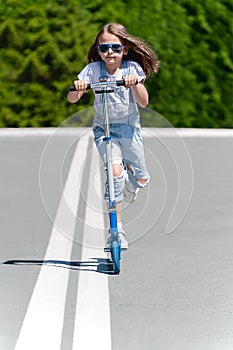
x,y
130,80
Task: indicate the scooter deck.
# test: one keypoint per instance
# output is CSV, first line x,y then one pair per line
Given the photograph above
x,y
107,250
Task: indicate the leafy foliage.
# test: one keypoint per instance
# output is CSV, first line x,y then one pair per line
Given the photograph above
x,y
44,43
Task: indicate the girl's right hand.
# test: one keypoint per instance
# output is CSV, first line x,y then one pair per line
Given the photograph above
x,y
80,85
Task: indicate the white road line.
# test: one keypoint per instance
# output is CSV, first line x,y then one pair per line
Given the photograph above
x,y
43,322
92,320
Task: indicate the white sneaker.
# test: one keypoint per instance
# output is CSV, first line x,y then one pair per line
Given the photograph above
x,y
130,192
124,242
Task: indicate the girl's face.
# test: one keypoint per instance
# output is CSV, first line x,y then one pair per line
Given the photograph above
x,y
110,57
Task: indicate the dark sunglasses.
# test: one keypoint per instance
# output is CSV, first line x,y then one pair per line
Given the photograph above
x,y
117,48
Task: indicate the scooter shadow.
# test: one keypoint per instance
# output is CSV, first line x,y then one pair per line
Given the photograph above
x,y
99,265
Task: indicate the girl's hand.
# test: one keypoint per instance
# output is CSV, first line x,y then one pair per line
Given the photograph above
x,y
80,85
140,90
130,80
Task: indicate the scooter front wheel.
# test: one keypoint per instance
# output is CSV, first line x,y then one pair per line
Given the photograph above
x,y
116,256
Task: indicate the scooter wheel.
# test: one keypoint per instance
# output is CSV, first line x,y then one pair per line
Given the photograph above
x,y
116,256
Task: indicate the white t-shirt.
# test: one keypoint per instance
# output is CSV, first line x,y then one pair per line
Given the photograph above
x,y
122,106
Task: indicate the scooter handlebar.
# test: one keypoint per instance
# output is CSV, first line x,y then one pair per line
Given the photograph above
x,y
102,85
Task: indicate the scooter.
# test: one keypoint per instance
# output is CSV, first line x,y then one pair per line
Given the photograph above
x,y
106,87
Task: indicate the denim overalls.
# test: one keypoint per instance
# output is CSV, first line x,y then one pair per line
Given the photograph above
x,y
127,145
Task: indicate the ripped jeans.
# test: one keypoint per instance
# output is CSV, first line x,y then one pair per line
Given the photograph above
x,y
127,150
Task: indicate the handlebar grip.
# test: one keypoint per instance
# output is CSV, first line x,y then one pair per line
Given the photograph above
x,y
122,82
72,87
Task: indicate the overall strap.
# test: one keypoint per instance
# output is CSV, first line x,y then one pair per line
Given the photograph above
x,y
102,69
125,68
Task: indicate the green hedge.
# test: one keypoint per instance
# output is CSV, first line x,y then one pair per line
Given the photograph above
x,y
43,45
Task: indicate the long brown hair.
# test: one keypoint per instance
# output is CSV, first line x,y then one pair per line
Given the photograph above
x,y
138,50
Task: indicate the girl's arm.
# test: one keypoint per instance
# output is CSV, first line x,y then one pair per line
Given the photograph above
x,y
140,91
81,87
141,94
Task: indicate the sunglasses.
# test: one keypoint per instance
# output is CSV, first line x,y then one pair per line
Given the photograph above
x,y
117,48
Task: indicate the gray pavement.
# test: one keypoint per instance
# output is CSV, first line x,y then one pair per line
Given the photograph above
x,y
175,289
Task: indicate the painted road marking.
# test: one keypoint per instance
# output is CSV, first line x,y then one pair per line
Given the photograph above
x,y
43,322
92,328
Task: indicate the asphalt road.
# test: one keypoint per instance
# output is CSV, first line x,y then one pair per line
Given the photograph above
x,y
57,290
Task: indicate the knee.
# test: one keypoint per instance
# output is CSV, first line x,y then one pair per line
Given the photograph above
x,y
119,181
134,176
142,181
139,180
117,170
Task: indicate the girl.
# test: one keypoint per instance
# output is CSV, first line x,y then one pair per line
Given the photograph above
x,y
115,55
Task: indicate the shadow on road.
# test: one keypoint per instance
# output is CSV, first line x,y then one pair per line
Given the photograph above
x,y
94,264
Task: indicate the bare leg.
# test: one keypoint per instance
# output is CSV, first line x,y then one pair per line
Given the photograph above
x,y
118,208
117,171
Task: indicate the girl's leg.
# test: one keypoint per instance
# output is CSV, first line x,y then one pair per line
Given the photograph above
x,y
134,161
119,182
117,172
118,169
118,209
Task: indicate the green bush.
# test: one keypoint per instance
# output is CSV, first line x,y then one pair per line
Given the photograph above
x,y
43,45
